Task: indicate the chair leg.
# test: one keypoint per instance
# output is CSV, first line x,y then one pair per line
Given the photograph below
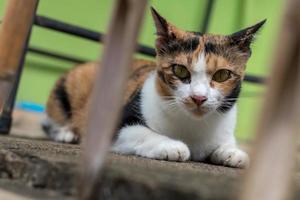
x,y
14,35
274,156
106,105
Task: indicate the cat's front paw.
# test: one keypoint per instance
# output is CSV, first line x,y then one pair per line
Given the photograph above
x,y
230,156
65,135
166,150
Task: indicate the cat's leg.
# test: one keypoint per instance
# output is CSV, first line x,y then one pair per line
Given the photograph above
x,y
142,141
230,155
59,133
225,151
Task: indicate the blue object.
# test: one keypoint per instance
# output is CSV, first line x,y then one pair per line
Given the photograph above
x,y
31,107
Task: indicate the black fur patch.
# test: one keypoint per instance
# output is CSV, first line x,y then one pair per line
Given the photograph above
x,y
161,76
231,99
132,113
63,97
210,48
179,45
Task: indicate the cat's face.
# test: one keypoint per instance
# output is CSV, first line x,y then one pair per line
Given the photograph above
x,y
200,73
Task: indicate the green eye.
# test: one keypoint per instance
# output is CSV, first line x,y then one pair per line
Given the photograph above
x,y
181,71
222,75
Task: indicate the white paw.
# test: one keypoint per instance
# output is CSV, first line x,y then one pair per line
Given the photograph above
x,y
65,135
165,150
230,156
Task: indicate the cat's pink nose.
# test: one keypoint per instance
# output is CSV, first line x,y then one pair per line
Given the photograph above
x,y
199,100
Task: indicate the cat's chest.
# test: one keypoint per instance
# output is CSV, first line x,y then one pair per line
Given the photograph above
x,y
175,126
202,137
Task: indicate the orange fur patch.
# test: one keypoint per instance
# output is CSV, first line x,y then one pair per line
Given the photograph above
x,y
79,84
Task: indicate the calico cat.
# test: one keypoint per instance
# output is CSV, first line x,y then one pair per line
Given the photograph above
x,y
181,107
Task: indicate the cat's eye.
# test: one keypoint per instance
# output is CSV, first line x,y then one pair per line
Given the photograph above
x,y
222,75
181,72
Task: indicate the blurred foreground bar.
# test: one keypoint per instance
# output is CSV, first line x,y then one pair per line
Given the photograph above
x,y
108,92
14,35
272,170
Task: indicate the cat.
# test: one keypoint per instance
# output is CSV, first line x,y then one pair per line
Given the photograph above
x,y
181,107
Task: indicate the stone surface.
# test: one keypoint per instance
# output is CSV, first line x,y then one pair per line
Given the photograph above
x,y
50,167
40,169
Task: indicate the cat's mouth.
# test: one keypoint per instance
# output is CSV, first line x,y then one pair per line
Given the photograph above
x,y
200,111
196,109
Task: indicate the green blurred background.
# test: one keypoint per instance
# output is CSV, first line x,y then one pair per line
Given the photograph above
x,y
228,16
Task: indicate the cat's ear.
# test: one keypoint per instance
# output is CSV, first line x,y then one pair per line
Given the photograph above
x,y
161,24
245,37
166,32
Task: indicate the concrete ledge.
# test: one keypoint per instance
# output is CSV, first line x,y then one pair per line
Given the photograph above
x,y
49,170
52,168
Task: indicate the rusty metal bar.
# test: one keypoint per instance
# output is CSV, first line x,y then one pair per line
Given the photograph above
x,y
254,79
109,90
14,35
274,153
207,16
55,55
47,22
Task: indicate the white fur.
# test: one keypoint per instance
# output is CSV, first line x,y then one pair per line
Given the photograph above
x,y
144,142
199,79
59,133
211,135
230,156
200,65
65,135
